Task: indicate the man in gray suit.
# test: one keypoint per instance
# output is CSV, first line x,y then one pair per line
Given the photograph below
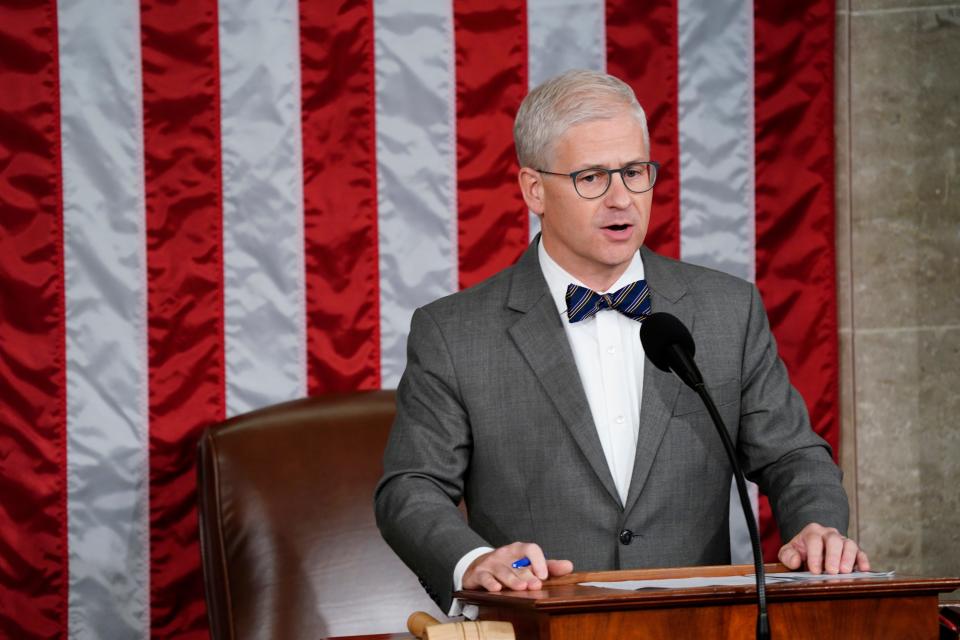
x,y
529,397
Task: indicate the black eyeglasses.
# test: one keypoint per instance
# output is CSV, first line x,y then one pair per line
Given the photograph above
x,y
593,182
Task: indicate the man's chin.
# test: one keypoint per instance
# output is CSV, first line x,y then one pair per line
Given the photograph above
x,y
618,252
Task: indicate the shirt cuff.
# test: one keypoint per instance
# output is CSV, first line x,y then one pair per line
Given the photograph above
x,y
457,608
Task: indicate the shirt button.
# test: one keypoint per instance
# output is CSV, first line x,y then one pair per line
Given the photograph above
x,y
626,536
620,419
611,350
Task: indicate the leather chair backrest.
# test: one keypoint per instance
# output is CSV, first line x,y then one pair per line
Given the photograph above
x,y
290,548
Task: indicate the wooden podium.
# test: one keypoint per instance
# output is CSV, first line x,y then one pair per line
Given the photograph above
x,y
898,608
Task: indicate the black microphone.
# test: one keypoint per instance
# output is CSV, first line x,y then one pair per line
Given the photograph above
x,y
670,347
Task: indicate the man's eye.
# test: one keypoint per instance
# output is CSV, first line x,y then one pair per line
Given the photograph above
x,y
590,176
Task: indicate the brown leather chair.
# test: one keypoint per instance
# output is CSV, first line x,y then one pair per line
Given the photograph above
x,y
290,548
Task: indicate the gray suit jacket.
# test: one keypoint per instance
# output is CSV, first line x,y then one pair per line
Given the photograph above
x,y
491,409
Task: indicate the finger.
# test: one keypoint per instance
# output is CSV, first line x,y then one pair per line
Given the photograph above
x,y
833,550
538,564
863,562
480,578
849,556
559,567
482,571
473,576
508,577
790,557
813,543
529,551
527,579
531,581
485,580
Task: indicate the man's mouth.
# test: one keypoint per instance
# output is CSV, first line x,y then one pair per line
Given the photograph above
x,y
617,227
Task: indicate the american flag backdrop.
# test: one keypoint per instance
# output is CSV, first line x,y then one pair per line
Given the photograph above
x,y
207,207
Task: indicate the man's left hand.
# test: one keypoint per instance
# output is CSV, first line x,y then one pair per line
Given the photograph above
x,y
823,550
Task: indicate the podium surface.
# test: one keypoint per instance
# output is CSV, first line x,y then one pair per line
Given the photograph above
x,y
899,608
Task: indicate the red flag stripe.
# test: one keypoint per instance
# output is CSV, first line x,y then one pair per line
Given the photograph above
x,y
491,69
795,215
340,195
185,291
642,51
33,531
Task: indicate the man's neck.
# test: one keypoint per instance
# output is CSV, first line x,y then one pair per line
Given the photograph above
x,y
598,279
601,282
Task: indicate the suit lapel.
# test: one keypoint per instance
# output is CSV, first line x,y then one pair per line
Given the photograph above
x,y
540,337
660,388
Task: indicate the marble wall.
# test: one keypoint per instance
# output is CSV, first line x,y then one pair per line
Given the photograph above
x,y
898,244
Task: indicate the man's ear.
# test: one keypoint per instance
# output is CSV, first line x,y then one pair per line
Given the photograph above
x,y
531,186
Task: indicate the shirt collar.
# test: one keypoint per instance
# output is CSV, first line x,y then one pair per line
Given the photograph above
x,y
558,279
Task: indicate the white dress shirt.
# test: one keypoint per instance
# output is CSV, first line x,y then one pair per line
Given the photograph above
x,y
609,357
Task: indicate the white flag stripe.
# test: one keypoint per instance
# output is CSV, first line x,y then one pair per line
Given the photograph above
x,y
741,549
263,245
715,122
105,273
416,167
563,35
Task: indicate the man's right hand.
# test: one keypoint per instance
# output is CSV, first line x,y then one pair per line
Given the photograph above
x,y
492,571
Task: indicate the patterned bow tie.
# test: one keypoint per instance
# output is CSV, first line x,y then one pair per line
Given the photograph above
x,y
632,301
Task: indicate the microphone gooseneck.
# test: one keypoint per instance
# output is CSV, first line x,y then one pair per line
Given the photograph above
x,y
670,347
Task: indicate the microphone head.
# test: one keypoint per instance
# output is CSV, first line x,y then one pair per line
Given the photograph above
x,y
661,331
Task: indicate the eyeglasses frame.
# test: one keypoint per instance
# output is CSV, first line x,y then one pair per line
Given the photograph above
x,y
573,177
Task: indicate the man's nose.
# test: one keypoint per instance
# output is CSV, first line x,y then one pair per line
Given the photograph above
x,y
617,196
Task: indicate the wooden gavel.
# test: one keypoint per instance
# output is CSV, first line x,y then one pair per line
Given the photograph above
x,y
426,627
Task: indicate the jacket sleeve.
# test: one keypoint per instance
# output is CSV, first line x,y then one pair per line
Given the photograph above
x,y
778,449
425,461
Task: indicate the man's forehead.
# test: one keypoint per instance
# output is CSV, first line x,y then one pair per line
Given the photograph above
x,y
602,141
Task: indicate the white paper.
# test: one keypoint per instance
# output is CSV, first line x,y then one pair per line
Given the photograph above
x,y
733,581
803,576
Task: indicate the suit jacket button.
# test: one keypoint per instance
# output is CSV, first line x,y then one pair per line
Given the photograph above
x,y
626,536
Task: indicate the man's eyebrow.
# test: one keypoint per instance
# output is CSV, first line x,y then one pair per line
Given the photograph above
x,y
600,165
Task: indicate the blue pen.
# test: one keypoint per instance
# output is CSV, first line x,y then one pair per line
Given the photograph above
x,y
522,562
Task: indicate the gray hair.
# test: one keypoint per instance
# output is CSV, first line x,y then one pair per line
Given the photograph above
x,y
571,98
